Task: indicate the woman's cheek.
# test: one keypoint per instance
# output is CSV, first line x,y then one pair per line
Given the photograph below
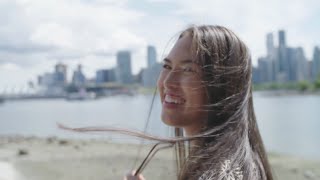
x,y
160,84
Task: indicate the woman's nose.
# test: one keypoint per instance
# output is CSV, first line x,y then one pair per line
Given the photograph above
x,y
172,81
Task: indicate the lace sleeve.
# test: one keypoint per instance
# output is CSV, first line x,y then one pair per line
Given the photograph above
x,y
226,172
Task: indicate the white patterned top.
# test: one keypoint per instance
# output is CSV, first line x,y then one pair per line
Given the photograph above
x,y
226,172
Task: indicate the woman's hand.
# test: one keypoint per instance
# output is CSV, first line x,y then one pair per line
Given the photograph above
x,y
130,176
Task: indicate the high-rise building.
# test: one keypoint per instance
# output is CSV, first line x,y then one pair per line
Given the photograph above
x,y
105,75
270,45
151,75
60,74
309,70
151,56
255,75
57,78
282,38
282,65
47,79
78,77
123,72
297,64
316,63
265,70
302,65
101,76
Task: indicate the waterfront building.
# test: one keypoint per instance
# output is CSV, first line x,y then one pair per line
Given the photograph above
x,y
283,63
270,45
60,74
150,75
57,78
151,56
297,64
78,78
123,70
316,63
105,75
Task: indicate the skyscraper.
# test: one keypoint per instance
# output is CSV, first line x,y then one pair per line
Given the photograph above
x,y
270,45
282,38
263,70
150,75
316,63
282,67
151,56
105,75
123,73
60,74
302,65
297,64
255,75
78,77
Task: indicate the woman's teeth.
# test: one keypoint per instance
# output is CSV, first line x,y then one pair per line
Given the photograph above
x,y
174,100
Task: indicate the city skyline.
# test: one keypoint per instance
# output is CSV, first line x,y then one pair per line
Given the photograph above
x,y
283,63
121,73
151,59
35,35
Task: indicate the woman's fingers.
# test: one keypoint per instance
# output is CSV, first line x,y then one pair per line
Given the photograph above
x,y
130,176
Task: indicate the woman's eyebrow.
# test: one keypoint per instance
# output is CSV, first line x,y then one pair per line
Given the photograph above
x,y
185,61
167,60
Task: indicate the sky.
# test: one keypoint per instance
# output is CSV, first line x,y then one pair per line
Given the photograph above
x,y
37,34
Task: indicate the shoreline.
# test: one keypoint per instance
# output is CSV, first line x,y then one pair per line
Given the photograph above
x,y
264,92
285,92
69,159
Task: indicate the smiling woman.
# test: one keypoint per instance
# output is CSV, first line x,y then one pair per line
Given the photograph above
x,y
181,90
205,90
206,94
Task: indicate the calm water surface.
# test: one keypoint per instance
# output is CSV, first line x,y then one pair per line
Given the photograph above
x,y
288,124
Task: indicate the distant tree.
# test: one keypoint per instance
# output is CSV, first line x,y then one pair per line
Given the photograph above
x,y
304,85
274,86
71,88
317,82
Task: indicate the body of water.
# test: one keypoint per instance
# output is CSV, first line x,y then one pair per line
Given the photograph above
x,y
288,124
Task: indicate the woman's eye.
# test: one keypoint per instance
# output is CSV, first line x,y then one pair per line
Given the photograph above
x,y
166,66
188,69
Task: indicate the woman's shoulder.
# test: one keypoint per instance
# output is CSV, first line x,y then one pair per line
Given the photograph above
x,y
225,171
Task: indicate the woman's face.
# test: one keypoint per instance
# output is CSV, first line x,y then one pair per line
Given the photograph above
x,y
181,90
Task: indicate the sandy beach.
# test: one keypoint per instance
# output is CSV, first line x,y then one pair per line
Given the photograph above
x,y
32,158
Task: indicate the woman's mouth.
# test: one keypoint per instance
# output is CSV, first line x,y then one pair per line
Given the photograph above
x,y
171,101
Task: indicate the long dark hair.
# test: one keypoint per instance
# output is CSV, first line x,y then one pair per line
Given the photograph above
x,y
232,142
230,145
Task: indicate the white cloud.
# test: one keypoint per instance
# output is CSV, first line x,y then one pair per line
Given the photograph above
x,y
251,19
56,30
35,34
53,34
10,67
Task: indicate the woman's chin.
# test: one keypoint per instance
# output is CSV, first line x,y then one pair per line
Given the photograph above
x,y
172,122
167,122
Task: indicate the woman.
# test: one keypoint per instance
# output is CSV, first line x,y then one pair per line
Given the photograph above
x,y
206,94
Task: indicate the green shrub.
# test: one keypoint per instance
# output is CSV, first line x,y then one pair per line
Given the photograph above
x,y
304,85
